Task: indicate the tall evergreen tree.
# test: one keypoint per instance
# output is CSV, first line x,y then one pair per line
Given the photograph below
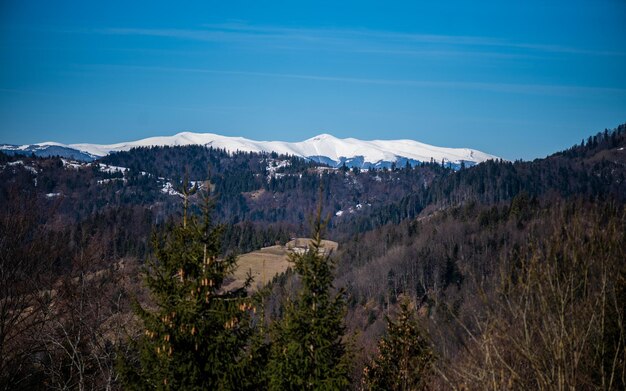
x,y
307,350
196,333
404,357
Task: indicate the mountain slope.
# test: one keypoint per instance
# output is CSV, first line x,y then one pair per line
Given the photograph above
x,y
323,148
48,149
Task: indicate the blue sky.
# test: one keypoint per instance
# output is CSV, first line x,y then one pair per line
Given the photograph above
x,y
518,79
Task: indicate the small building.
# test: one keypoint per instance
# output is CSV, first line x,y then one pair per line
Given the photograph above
x,y
300,245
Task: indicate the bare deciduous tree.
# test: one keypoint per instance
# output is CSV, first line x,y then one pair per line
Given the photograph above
x,y
556,321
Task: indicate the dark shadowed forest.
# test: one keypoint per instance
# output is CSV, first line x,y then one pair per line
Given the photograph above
x,y
505,275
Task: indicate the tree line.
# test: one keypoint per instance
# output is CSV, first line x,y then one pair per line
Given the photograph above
x,y
519,285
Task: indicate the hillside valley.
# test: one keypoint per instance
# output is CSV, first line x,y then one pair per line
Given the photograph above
x,y
472,247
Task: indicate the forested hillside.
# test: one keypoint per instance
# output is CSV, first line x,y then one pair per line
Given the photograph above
x,y
595,168
505,275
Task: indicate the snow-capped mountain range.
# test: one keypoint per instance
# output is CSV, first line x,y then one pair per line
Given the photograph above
x,y
323,148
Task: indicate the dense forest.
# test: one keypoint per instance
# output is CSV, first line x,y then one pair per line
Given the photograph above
x,y
504,275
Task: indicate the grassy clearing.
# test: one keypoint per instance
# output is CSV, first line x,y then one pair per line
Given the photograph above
x,y
267,262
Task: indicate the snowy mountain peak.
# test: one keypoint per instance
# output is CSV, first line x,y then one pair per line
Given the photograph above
x,y
323,137
324,148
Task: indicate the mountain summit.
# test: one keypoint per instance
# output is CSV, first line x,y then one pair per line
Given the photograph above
x,y
323,148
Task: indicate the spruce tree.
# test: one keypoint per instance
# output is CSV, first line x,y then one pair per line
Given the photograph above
x,y
196,332
307,350
404,358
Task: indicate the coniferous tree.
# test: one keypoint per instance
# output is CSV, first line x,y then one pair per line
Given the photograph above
x,y
307,350
195,336
404,357
255,375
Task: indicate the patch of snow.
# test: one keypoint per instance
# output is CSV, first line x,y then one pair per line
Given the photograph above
x,y
52,195
71,164
339,213
168,188
33,170
111,169
109,180
322,170
273,165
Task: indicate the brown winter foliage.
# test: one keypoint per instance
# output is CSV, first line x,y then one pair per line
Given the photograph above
x,y
515,272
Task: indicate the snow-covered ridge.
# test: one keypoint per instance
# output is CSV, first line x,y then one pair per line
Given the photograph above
x,y
324,148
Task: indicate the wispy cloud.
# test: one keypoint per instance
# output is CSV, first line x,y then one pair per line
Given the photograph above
x,y
532,89
200,109
15,91
356,40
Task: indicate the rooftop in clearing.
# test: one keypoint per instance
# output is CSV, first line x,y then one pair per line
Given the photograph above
x,y
268,262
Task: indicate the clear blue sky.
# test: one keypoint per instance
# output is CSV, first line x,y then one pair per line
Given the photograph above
x,y
519,79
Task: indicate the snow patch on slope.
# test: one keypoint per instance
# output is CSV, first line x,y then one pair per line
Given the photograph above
x,y
16,163
168,189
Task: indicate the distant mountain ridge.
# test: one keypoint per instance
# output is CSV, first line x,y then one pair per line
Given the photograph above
x,y
323,148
